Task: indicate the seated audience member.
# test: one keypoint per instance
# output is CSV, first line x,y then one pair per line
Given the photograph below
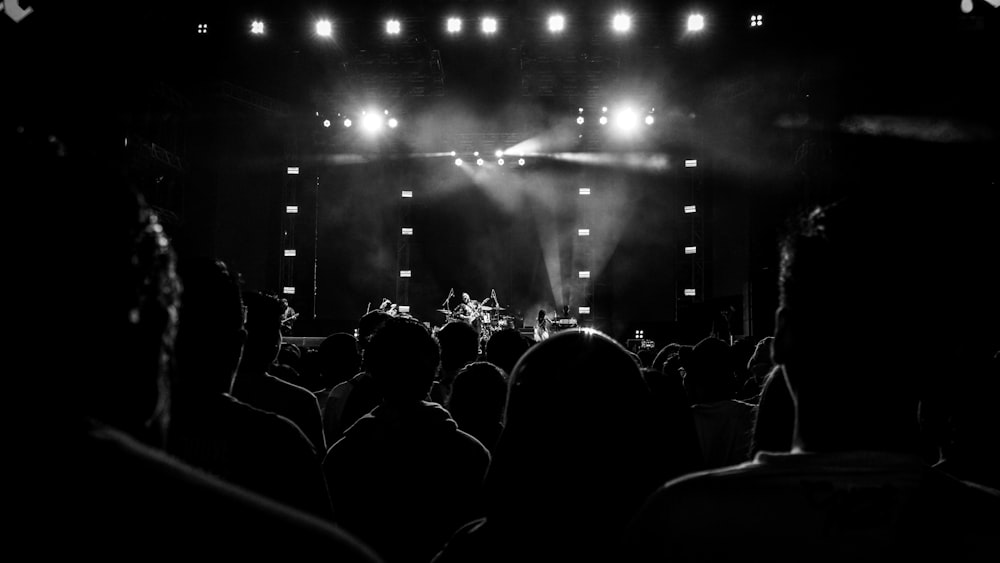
x,y
255,386
774,418
581,449
505,347
404,477
108,491
758,367
854,486
674,410
477,401
723,423
459,347
210,429
348,401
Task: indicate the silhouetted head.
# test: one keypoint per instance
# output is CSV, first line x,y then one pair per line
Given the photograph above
x,y
478,395
505,347
459,345
211,335
708,371
263,330
541,316
339,358
403,358
368,324
579,447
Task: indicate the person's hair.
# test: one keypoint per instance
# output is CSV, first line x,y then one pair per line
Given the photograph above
x,y
339,358
541,314
505,347
479,393
459,345
403,358
368,324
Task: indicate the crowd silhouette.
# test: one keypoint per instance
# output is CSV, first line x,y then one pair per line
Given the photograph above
x,y
839,438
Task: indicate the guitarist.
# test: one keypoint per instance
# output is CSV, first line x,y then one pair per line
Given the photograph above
x,y
288,317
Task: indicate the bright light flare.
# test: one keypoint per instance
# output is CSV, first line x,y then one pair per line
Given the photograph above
x,y
557,23
479,162
489,25
621,23
326,123
627,120
458,162
454,25
392,27
348,122
371,122
257,27
650,120
324,28
393,122
696,22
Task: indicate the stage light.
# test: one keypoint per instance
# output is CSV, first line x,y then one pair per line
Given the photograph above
x,y
385,111
604,109
489,25
579,120
393,122
458,162
288,290
452,153
348,122
756,20
621,22
406,231
584,191
690,209
475,153
257,27
407,193
405,273
324,28
691,163
404,309
371,122
520,162
583,232
579,110
479,161
290,253
454,25
689,293
500,161
649,120
202,28
626,120
690,250
293,170
392,27
292,209
696,22
603,120
326,123
584,311
557,23
498,153
584,274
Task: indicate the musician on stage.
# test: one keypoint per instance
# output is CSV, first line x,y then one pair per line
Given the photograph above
x,y
287,317
542,325
468,309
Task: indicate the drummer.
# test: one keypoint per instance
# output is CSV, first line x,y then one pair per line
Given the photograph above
x,y
468,309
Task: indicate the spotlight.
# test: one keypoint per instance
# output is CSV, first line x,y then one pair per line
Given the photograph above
x,y
604,109
324,28
520,162
603,120
649,120
622,22
479,162
348,122
557,23
202,28
326,123
500,161
393,122
454,25
696,22
458,162
475,153
371,121
392,27
452,153
489,25
498,153
580,110
756,20
257,27
579,120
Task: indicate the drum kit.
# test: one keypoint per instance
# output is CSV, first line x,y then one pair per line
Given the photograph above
x,y
486,318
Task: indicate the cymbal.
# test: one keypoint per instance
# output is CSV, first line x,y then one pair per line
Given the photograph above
x,y
499,308
485,308
445,311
